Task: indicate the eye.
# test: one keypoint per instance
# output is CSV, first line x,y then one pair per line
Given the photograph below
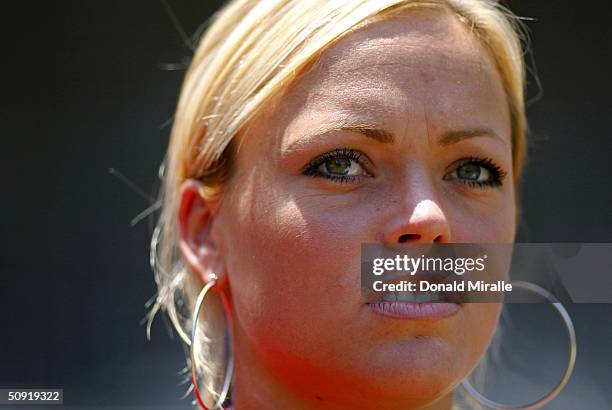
x,y
339,165
478,172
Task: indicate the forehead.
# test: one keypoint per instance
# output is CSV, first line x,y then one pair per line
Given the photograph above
x,y
426,42
433,37
423,60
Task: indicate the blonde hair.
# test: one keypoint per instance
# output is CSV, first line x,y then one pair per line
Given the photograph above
x,y
251,50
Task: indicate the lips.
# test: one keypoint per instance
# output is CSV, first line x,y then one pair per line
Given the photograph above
x,y
415,310
428,305
419,297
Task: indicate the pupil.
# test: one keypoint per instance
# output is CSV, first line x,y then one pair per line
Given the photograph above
x,y
338,166
469,171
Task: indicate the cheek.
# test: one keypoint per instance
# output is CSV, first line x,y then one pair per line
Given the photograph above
x,y
481,319
293,266
487,222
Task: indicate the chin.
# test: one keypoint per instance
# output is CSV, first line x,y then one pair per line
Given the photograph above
x,y
400,375
428,364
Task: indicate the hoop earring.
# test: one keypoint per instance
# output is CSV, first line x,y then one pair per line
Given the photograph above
x,y
230,358
571,333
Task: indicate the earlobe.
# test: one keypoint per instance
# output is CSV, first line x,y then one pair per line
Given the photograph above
x,y
195,219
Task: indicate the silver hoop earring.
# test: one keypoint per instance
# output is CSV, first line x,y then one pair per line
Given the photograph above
x,y
571,333
230,358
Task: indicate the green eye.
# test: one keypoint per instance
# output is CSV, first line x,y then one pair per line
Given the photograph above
x,y
478,172
472,172
339,166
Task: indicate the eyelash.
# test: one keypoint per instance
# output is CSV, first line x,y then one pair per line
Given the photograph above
x,y
312,168
497,174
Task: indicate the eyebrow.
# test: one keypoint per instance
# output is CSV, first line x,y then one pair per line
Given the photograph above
x,y
386,137
454,136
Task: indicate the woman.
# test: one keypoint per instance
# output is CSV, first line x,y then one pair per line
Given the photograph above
x,y
304,129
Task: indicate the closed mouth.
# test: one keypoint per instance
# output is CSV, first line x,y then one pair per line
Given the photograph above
x,y
415,310
417,297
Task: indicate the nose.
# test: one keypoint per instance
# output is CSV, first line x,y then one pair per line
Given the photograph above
x,y
424,223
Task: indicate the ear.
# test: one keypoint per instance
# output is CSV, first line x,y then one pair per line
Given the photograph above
x,y
195,219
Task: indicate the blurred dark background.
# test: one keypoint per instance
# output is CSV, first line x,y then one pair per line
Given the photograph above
x,y
88,86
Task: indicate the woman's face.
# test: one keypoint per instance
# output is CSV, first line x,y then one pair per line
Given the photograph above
x,y
400,133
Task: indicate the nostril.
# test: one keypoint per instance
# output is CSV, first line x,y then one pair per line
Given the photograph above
x,y
408,237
